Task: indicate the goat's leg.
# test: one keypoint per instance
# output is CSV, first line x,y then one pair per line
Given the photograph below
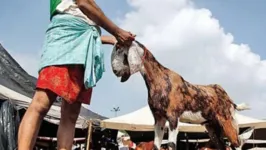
x,y
216,137
231,130
173,132
172,138
158,132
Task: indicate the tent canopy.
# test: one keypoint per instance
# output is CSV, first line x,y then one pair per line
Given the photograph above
x,y
142,120
18,86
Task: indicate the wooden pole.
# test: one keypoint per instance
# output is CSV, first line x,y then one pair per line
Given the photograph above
x,y
89,135
187,143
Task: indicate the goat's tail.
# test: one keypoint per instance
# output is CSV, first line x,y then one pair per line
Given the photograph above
x,y
241,107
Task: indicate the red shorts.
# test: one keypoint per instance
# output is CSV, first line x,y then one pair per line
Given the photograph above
x,y
66,82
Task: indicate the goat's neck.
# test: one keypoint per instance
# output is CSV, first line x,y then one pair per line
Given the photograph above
x,y
152,70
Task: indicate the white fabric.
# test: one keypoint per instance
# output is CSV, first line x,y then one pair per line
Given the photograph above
x,y
258,148
143,117
251,141
70,7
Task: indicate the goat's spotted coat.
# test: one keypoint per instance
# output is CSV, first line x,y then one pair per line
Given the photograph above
x,y
170,96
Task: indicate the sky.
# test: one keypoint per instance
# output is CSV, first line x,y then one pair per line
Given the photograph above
x,y
205,41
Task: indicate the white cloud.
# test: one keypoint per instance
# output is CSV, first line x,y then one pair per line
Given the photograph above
x,y
190,41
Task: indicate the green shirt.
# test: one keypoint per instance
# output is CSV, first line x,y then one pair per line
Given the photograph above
x,y
53,5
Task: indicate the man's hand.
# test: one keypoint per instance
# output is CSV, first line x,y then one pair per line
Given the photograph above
x,y
124,38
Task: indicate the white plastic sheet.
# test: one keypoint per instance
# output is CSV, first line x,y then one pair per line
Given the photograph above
x,y
9,123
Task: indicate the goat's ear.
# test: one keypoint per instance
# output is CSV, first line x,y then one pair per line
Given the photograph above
x,y
126,73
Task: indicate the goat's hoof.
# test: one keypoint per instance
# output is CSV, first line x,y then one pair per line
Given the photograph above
x,y
155,147
171,146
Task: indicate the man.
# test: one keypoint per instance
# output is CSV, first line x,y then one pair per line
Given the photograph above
x,y
71,64
124,142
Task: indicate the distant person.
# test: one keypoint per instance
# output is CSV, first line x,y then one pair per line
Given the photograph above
x,y
70,66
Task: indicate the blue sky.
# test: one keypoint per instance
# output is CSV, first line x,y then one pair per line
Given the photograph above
x,y
23,25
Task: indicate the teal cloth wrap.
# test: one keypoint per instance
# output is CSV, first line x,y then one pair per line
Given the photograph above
x,y
70,40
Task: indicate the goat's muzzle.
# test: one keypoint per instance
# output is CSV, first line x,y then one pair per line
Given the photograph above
x,y
125,77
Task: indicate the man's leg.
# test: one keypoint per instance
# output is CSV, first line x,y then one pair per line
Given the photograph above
x,y
66,131
32,119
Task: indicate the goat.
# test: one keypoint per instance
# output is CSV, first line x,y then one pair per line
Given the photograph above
x,y
145,146
171,98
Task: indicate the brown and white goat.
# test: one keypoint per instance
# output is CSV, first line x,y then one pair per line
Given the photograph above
x,y
171,98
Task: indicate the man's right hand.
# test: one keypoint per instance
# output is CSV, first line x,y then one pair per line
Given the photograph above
x,y
124,38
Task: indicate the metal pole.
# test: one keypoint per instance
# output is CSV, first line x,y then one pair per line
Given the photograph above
x,y
187,143
115,110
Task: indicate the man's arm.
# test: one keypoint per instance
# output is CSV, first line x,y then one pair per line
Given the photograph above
x,y
90,9
107,39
